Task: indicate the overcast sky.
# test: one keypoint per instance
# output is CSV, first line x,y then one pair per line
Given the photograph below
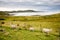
x,y
40,5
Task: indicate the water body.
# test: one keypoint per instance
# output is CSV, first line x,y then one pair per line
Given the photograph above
x,y
32,13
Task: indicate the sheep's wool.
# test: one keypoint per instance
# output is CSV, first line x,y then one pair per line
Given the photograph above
x,y
13,26
47,30
31,28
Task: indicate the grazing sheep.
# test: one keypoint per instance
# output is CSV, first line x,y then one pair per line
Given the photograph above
x,y
46,30
31,28
13,26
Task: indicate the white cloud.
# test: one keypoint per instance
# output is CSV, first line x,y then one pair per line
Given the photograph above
x,y
17,0
12,9
29,4
31,0
49,2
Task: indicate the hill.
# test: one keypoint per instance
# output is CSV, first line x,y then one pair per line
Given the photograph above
x,y
20,11
54,17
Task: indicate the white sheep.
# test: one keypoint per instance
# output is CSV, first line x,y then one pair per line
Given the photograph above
x,y
13,26
46,30
31,28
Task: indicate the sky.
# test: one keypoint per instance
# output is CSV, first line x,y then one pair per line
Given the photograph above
x,y
39,5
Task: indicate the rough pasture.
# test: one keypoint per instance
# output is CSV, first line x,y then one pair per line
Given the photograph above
x,y
22,34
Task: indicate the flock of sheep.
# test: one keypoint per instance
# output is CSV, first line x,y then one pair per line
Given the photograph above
x,y
45,30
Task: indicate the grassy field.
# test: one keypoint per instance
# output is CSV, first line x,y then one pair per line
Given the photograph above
x,y
37,22
17,34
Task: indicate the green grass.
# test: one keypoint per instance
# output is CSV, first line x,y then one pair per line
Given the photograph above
x,y
38,22
16,34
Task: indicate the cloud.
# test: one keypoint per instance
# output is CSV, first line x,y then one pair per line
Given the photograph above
x,y
44,5
47,2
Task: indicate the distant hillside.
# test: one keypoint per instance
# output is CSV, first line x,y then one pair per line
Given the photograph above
x,y
20,11
54,17
51,18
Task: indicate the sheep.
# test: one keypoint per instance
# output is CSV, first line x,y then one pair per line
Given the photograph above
x,y
31,29
46,30
13,26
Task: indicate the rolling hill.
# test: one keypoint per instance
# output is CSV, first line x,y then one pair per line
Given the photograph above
x,y
54,17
